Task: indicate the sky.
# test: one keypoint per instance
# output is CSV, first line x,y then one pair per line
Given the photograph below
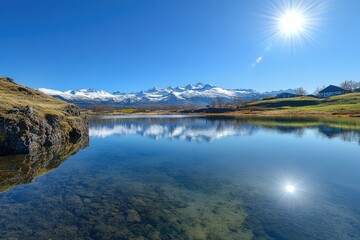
x,y
131,45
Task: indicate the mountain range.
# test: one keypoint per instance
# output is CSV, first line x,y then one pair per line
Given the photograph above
x,y
199,95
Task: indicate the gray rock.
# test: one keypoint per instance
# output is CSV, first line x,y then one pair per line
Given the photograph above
x,y
133,216
31,132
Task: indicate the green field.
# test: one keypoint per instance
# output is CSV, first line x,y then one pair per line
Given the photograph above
x,y
347,105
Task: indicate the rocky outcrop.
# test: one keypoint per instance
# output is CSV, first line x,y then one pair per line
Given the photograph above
x,y
43,122
31,132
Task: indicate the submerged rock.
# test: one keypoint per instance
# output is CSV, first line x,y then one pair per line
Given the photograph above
x,y
133,216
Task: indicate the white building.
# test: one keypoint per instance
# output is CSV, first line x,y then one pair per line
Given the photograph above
x,y
331,90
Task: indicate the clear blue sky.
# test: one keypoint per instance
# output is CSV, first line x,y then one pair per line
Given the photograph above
x,y
129,45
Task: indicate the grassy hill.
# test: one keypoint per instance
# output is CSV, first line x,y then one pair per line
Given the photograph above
x,y
13,96
30,120
347,105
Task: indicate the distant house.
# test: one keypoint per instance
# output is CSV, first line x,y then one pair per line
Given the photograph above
x,y
286,95
332,90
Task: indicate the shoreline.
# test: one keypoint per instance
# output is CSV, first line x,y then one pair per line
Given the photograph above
x,y
267,114
346,123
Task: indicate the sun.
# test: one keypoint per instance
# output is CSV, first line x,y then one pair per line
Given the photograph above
x,y
292,23
290,188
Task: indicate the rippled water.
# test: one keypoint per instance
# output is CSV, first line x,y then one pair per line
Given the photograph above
x,y
176,177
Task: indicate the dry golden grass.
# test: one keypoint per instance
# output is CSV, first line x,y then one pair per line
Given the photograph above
x,y
13,96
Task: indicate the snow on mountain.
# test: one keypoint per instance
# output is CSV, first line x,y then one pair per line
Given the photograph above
x,y
273,93
51,92
83,94
199,94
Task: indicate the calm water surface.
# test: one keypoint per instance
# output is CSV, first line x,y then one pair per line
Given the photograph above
x,y
175,177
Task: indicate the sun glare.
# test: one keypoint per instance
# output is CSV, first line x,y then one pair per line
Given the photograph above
x,y
292,23
290,188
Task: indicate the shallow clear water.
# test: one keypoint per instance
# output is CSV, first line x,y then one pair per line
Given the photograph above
x,y
193,178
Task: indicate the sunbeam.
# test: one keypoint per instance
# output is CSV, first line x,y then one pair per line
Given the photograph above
x,y
294,23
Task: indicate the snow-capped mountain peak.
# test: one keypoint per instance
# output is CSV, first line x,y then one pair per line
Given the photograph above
x,y
199,94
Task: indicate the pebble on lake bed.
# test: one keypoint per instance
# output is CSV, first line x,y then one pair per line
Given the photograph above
x,y
133,216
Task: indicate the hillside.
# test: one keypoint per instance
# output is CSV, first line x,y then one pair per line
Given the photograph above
x,y
347,105
30,119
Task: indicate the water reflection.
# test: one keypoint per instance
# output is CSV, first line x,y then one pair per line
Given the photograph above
x,y
190,129
252,179
23,169
206,129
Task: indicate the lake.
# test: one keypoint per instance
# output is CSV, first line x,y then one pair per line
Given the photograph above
x,y
189,177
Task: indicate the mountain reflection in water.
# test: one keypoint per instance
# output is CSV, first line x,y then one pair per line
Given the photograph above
x,y
206,129
170,177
